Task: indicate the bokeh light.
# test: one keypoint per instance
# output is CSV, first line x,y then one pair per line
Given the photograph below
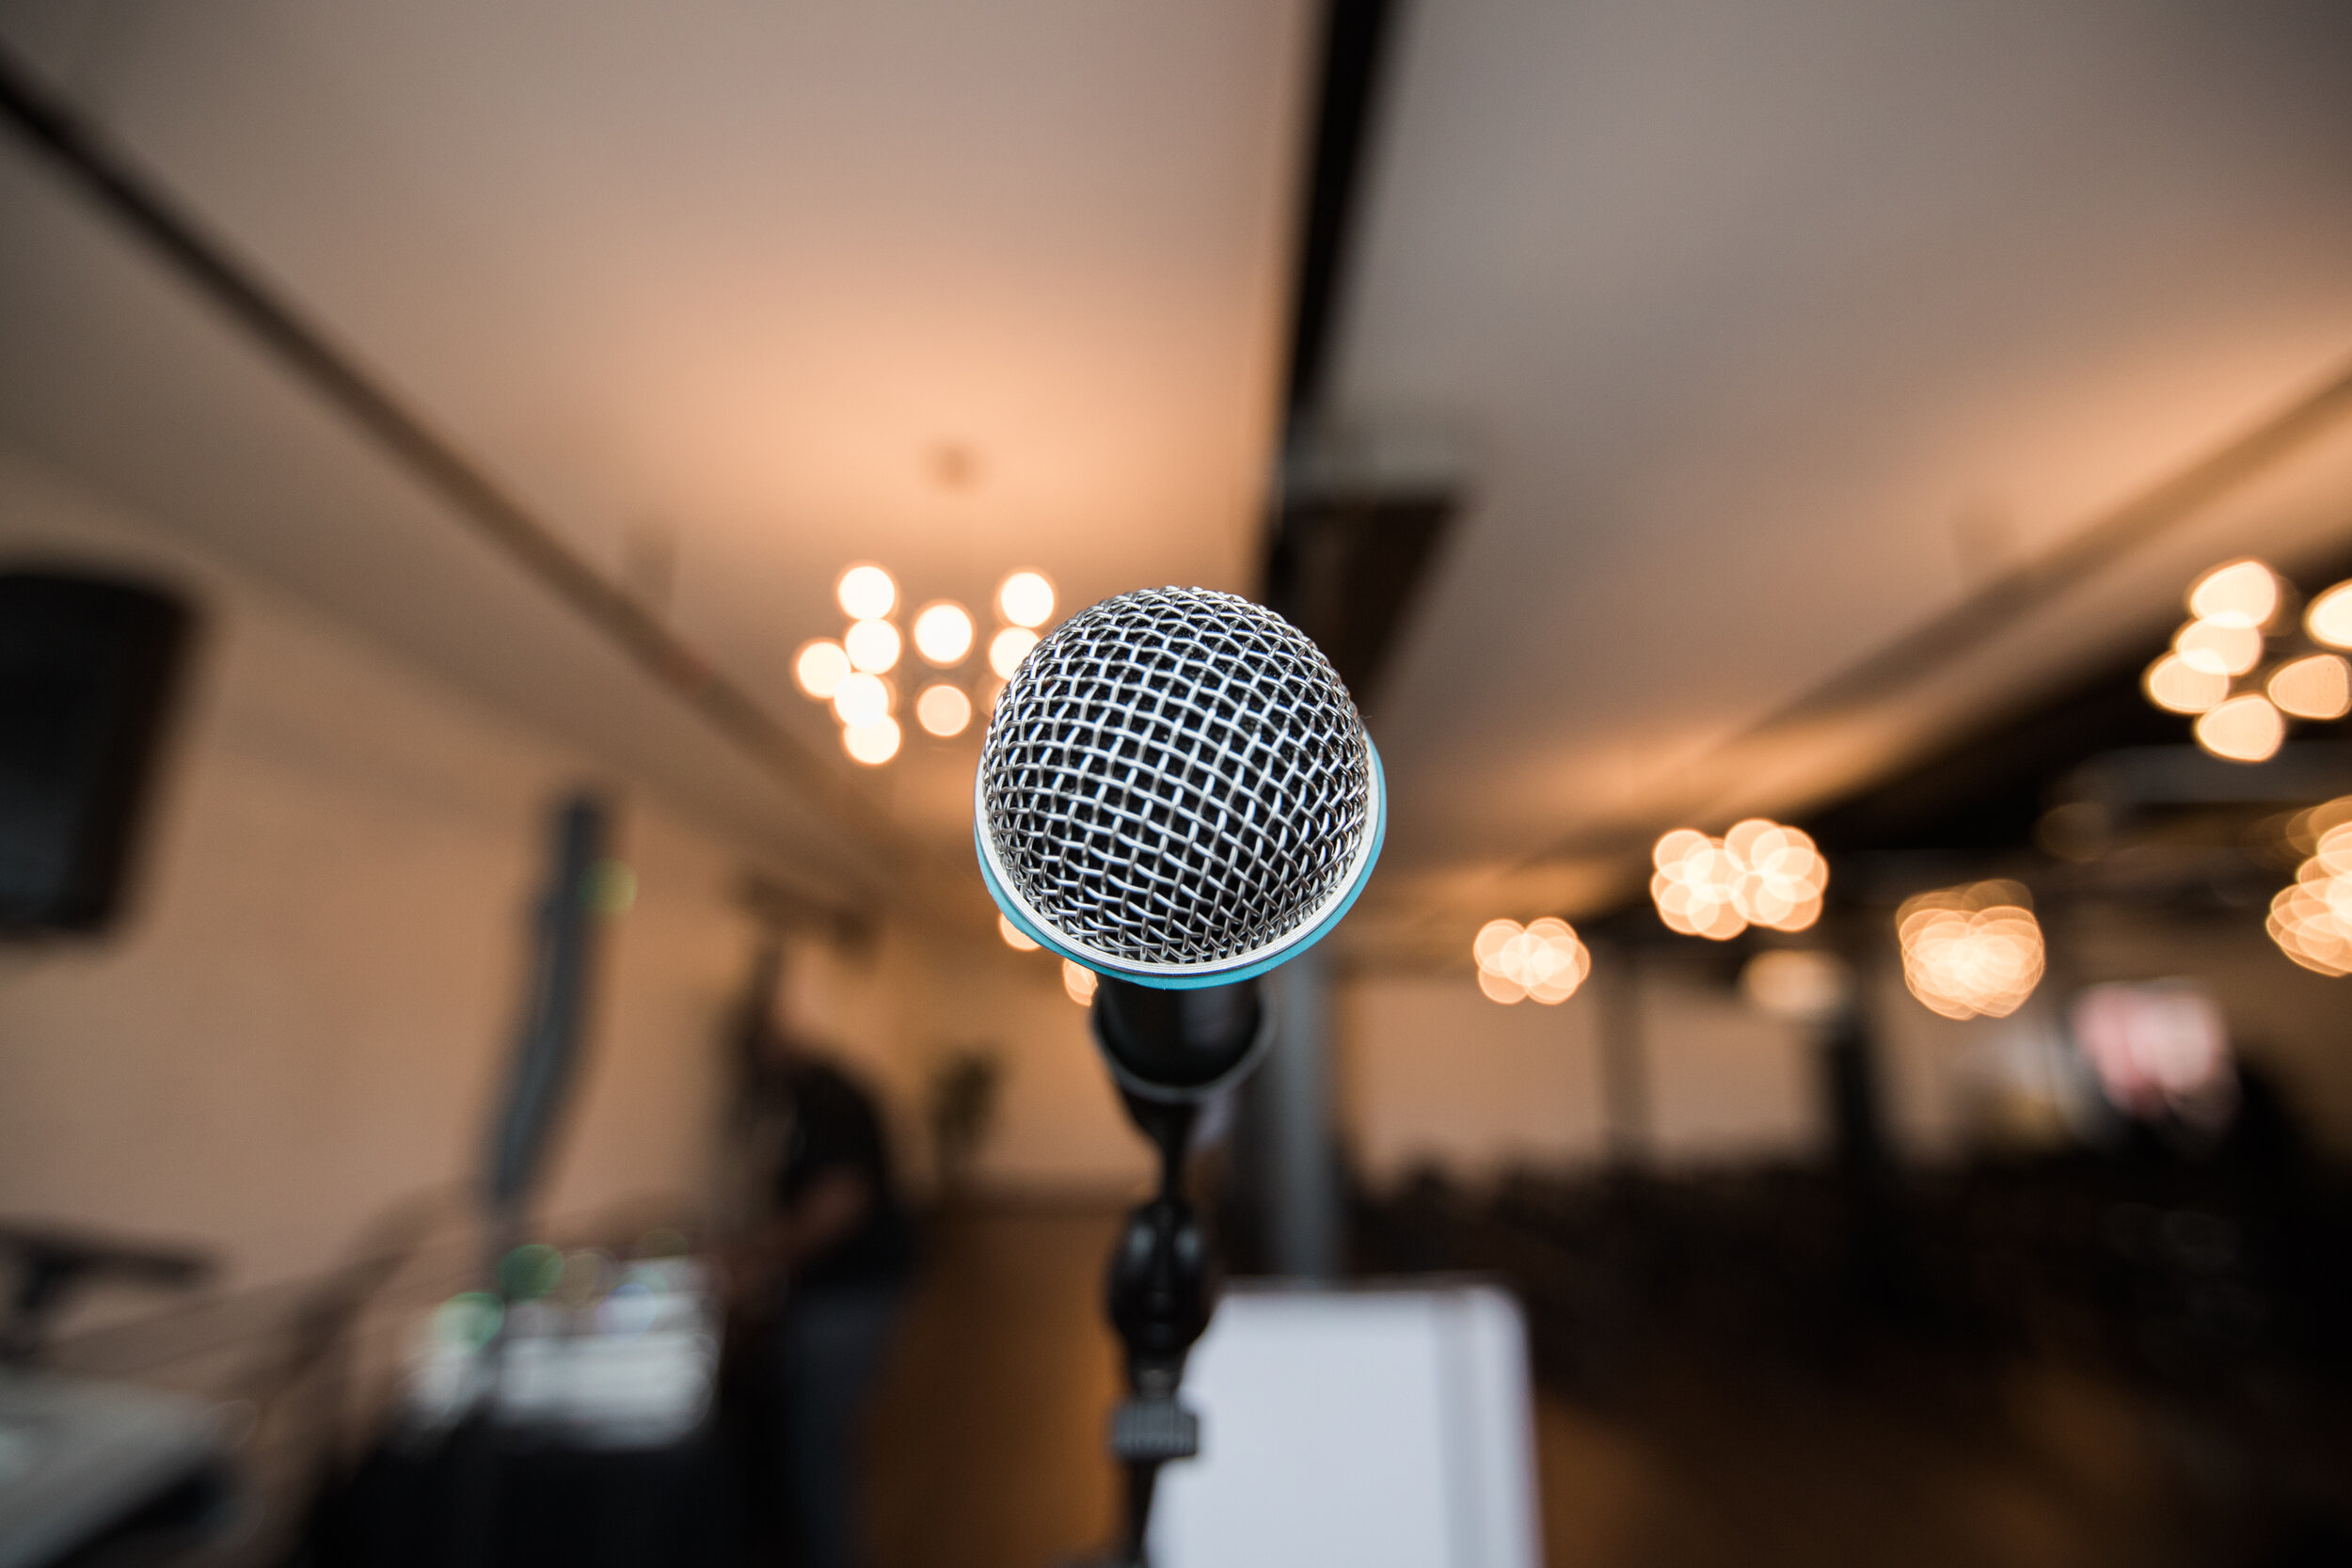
x,y
1802,984
860,699
1077,982
2244,729
2215,649
942,633
1015,938
871,744
1008,648
866,593
2330,618
1026,599
1971,952
2317,685
2242,594
1760,873
2312,920
820,668
2172,683
943,711
1543,959
873,646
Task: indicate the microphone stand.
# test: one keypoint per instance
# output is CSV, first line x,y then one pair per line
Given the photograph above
x,y
1170,1052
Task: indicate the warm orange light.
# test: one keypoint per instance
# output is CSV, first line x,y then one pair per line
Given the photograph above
x,y
2214,649
943,711
873,646
2172,683
1078,982
860,699
820,668
942,633
871,744
1008,648
2242,593
2330,618
2317,685
2312,920
1543,959
1971,952
1760,873
1800,984
2244,729
1014,936
866,593
1026,599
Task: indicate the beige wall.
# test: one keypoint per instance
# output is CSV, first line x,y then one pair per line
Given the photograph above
x,y
304,1015
1432,1071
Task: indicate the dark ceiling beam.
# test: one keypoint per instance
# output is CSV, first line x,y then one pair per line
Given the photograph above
x,y
1356,35
80,150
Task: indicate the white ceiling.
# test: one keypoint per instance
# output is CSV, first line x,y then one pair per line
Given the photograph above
x,y
734,277
1767,333
1771,332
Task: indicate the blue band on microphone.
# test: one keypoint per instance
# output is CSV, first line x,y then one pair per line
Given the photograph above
x,y
1197,979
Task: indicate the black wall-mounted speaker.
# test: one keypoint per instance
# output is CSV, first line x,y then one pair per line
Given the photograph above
x,y
89,666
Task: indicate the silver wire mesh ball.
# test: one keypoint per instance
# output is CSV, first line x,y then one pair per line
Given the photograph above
x,y
1175,776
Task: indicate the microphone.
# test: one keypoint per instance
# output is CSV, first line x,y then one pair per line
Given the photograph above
x,y
1176,791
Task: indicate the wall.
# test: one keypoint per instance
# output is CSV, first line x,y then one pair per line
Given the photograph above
x,y
305,1016
1432,1073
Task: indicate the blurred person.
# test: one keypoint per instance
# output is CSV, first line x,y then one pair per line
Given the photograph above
x,y
829,1266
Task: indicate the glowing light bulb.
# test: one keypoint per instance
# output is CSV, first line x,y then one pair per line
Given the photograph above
x,y
1970,952
943,711
1543,959
2330,618
942,633
1026,599
1014,936
872,744
2172,683
866,593
872,645
2317,685
2240,594
1008,648
860,699
2215,649
1078,982
820,667
2244,729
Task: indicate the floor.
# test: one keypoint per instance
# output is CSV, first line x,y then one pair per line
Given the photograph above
x,y
988,1445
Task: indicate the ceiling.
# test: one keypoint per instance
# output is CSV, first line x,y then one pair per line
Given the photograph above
x,y
729,296
1758,338
1766,335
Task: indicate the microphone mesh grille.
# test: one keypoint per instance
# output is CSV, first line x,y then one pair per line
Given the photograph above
x,y
1175,776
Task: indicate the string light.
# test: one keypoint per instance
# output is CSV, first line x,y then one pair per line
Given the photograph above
x,y
1758,874
1008,648
2312,919
2329,619
1078,982
860,699
2236,594
942,633
2317,685
1543,959
847,672
871,744
2244,729
1015,938
820,668
1026,599
866,593
943,711
2172,683
873,646
1971,952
